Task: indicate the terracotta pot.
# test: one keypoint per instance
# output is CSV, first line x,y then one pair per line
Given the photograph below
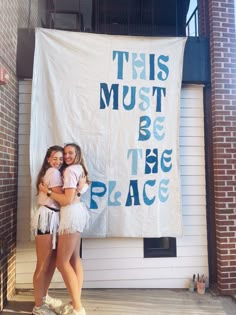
x,y
201,287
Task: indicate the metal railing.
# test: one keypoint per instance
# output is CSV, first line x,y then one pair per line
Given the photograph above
x,y
192,24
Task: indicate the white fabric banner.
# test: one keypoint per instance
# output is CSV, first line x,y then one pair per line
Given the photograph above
x,y
118,97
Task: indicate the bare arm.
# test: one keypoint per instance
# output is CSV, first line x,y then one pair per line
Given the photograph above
x,y
57,189
63,199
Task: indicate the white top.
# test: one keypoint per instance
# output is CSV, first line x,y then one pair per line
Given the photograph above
x,y
52,178
71,176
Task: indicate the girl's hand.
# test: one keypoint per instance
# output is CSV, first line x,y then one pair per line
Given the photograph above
x,y
81,183
43,188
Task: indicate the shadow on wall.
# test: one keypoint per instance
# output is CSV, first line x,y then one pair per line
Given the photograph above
x,y
3,272
18,308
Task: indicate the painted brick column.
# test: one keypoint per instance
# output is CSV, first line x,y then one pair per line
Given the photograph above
x,y
223,110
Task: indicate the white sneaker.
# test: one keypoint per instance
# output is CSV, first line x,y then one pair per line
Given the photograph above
x,y
64,309
53,303
68,309
42,310
74,312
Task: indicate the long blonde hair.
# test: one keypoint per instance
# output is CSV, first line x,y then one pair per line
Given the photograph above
x,y
79,159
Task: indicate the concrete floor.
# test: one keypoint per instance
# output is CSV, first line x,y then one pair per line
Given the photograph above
x,y
134,302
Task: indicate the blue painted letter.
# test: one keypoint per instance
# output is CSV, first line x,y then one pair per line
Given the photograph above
x,y
97,189
133,195
144,133
107,95
163,67
146,200
166,164
134,154
120,66
151,159
117,194
137,63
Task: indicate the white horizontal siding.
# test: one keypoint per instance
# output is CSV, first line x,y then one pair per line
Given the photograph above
x,y
119,262
23,211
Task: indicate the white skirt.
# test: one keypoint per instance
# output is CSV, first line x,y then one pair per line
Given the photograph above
x,y
46,220
73,218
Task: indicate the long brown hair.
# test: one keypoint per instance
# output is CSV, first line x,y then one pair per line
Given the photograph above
x,y
79,159
46,165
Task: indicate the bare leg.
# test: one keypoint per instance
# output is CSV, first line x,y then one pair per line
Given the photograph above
x,y
76,264
67,244
46,264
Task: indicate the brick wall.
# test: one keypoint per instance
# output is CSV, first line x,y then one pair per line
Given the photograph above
x,y
223,112
8,148
13,13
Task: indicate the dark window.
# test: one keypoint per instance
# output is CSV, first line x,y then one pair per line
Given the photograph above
x,y
123,17
140,17
159,247
66,21
64,15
